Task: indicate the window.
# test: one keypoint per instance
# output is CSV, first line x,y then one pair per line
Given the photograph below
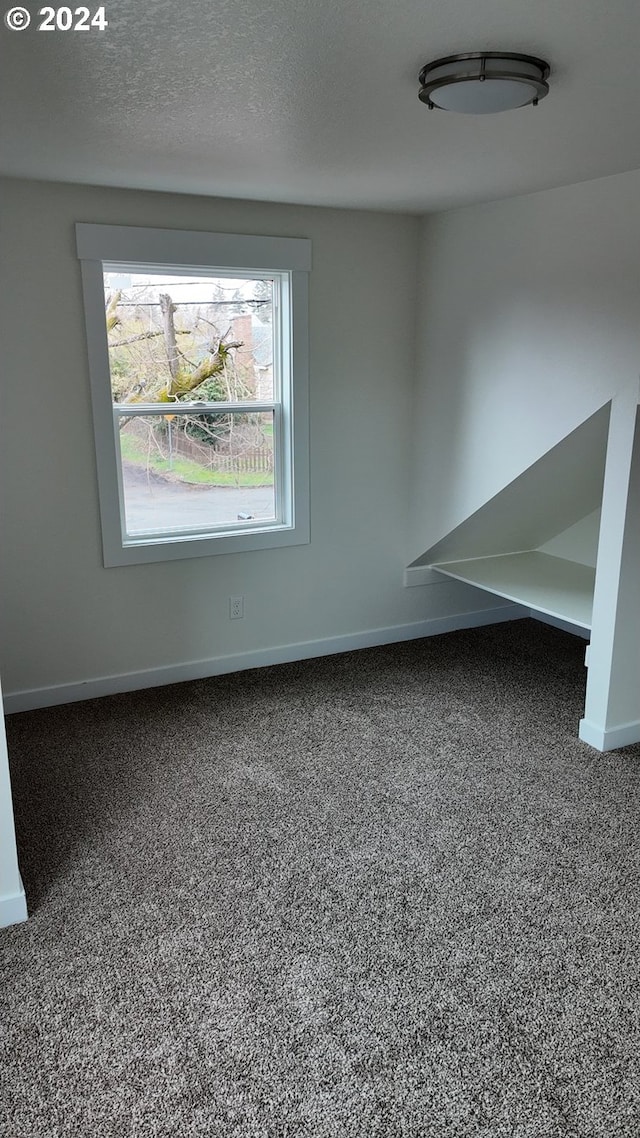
x,y
198,363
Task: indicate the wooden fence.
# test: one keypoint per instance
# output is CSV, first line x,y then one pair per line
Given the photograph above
x,y
240,458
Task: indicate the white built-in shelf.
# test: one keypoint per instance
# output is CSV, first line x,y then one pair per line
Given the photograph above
x,y
550,585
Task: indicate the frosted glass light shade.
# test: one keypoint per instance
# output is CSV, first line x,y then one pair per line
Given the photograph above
x,y
483,84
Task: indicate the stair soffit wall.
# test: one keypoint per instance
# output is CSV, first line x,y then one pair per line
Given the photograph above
x,y
563,486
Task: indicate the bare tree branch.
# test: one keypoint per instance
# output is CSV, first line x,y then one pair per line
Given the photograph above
x,y
180,381
112,315
168,308
143,336
186,358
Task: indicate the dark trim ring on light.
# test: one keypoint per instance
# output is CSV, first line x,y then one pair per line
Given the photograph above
x,y
475,68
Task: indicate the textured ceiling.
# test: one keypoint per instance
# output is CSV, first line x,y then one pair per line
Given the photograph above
x,y
301,101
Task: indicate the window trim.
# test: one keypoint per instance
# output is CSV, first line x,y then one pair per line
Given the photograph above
x,y
135,248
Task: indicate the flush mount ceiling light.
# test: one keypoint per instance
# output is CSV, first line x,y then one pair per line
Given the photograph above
x,y
483,83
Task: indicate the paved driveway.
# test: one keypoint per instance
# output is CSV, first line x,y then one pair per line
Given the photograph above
x,y
153,503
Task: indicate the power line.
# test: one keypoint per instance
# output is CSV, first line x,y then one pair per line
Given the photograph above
x,y
186,303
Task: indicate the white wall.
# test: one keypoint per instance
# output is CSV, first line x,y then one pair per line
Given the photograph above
x,y
529,321
577,543
13,905
66,619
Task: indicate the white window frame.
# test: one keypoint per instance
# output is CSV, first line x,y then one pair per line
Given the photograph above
x,y
134,249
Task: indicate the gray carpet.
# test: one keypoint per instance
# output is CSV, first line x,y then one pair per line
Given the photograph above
x,y
381,894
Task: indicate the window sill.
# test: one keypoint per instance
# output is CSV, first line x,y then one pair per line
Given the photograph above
x,y
146,550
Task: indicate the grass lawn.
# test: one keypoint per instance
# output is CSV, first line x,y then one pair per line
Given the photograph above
x,y
183,469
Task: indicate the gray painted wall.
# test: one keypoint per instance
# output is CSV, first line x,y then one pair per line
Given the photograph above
x,y
529,321
66,619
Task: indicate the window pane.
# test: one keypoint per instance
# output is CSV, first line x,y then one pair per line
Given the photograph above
x,y
197,472
189,337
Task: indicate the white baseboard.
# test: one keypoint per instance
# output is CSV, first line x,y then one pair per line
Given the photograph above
x,y
284,654
13,909
610,738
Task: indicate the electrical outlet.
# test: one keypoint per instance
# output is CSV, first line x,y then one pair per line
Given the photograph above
x,y
236,608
